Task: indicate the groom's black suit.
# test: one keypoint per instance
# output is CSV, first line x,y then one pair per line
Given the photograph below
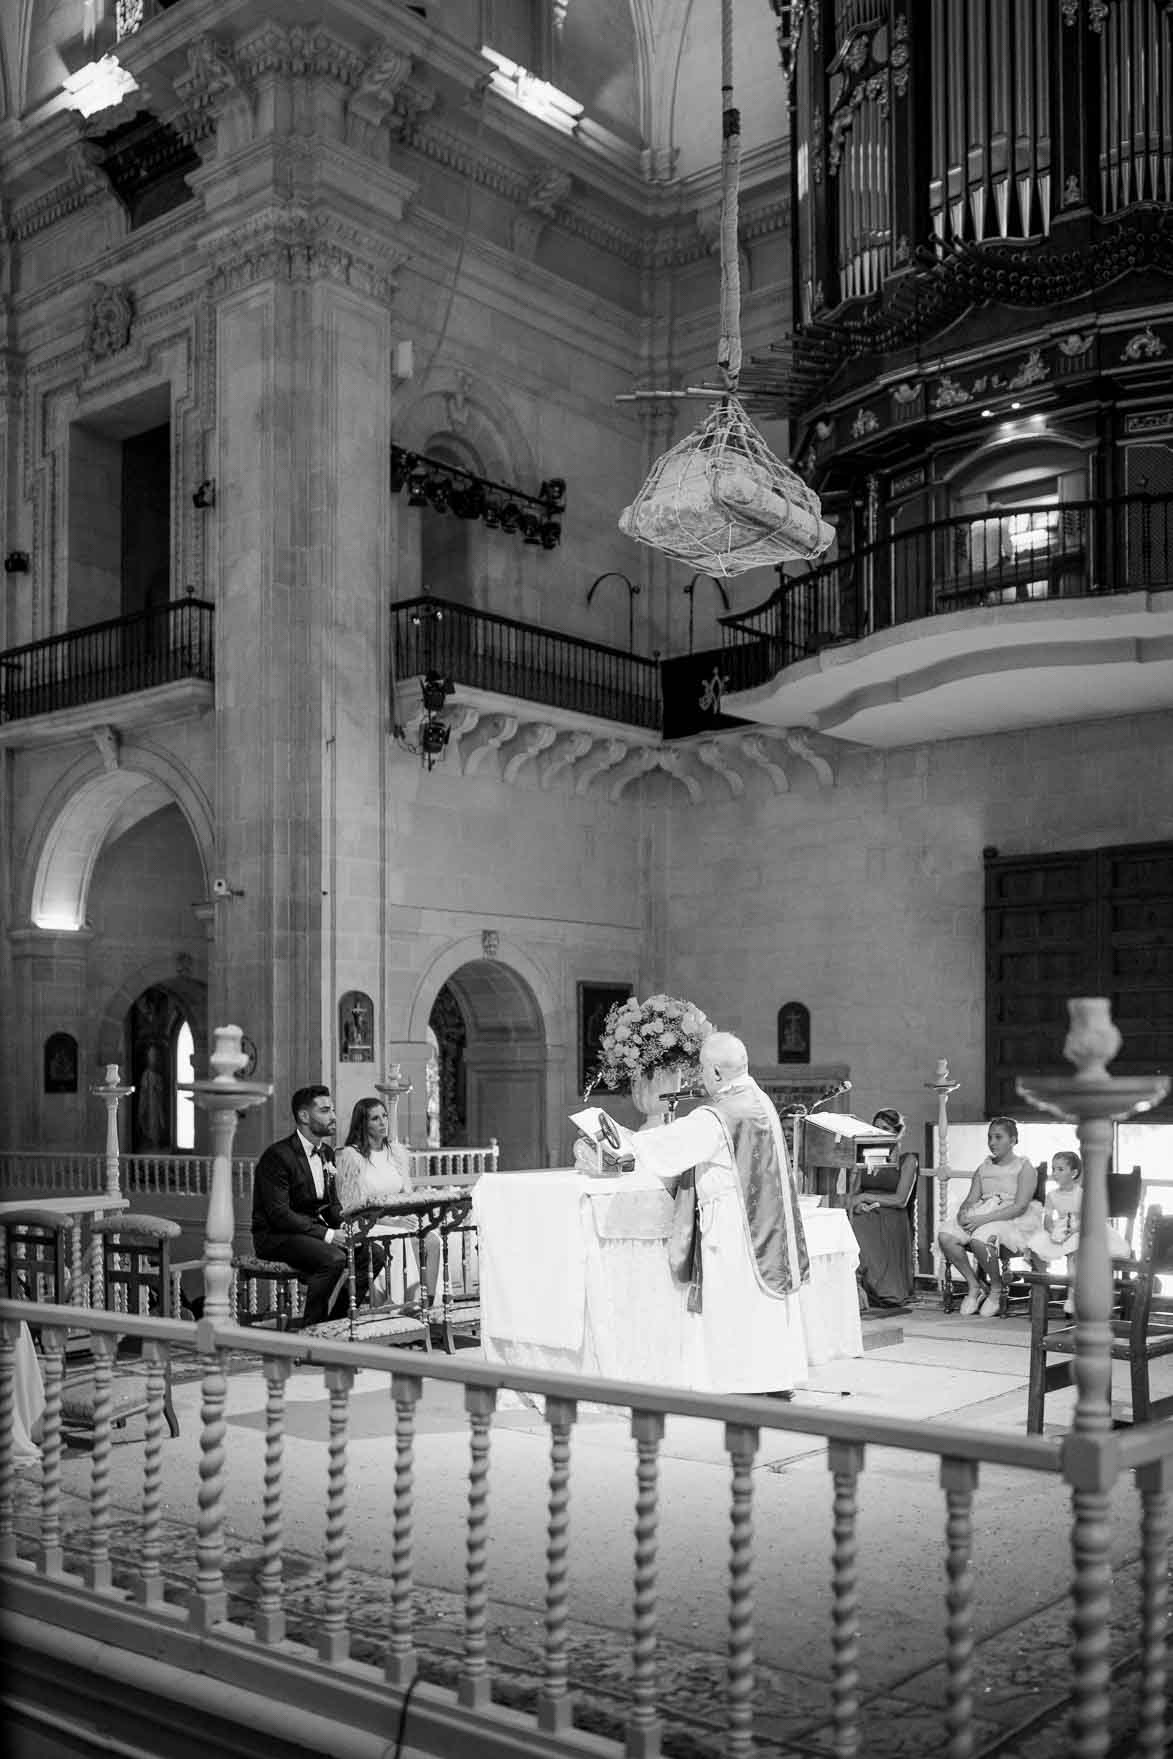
x,y
290,1222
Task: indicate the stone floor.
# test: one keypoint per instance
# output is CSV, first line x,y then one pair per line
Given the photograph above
x,y
924,1365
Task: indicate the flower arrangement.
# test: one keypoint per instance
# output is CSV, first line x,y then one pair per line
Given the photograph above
x,y
640,1036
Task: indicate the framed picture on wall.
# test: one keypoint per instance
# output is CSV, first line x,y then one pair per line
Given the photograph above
x,y
595,1001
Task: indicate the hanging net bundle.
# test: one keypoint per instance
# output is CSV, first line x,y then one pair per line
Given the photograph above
x,y
719,500
722,502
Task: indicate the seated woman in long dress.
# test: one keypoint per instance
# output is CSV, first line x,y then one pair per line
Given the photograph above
x,y
881,1218
370,1170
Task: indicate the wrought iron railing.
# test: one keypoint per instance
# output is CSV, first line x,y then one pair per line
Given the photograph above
x,y
486,652
1000,558
115,658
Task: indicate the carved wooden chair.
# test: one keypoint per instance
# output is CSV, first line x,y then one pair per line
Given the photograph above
x,y
1142,1327
136,1279
36,1255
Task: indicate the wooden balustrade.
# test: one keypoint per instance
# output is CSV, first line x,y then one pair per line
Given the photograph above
x,y
122,1583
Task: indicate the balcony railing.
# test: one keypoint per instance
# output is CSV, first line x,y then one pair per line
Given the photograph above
x,y
1001,557
116,658
486,652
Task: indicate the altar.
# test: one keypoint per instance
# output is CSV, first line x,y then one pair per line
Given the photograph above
x,y
574,1277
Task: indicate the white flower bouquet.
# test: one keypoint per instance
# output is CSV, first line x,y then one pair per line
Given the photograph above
x,y
638,1037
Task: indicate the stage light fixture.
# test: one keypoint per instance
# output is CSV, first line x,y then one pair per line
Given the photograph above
x,y
449,488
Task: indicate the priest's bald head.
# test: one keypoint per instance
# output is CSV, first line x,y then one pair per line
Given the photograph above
x,y
723,1058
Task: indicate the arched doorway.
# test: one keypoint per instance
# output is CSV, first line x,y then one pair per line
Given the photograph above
x,y
491,1062
160,1034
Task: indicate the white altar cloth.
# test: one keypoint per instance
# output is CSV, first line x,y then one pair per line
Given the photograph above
x,y
574,1277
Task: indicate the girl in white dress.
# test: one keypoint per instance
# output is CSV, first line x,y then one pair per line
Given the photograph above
x,y
368,1170
999,1209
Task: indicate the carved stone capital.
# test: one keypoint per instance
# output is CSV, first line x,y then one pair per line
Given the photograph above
x,y
289,243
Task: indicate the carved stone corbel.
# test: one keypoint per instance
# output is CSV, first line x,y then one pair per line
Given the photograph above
x,y
460,722
537,739
109,746
568,753
385,103
797,743
758,751
715,756
493,732
605,756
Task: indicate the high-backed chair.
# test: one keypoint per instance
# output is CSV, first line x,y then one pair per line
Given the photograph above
x,y
36,1255
136,1279
1142,1328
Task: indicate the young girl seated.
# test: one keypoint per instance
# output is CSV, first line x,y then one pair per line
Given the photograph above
x,y
1058,1237
999,1209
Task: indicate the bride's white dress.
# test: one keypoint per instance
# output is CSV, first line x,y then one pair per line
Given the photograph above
x,y
361,1180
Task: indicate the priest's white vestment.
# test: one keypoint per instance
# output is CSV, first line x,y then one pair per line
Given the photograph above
x,y
753,1340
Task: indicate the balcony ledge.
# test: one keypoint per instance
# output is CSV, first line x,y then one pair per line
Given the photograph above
x,y
980,671
176,701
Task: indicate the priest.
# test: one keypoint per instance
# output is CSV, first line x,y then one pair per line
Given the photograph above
x,y
737,1234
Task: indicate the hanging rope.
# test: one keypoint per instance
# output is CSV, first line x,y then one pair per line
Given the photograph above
x,y
720,501
729,348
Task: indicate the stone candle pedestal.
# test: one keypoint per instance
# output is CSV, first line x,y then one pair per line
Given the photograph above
x,y
110,1091
1094,1101
391,1089
224,1097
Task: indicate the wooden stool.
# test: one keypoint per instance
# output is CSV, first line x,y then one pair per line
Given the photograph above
x,y
284,1291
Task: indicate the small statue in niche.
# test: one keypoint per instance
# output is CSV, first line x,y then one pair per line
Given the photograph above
x,y
356,1012
794,1033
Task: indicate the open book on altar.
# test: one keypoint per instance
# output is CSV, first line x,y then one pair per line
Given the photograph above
x,y
612,1140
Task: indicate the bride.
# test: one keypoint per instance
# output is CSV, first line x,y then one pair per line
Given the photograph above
x,y
369,1170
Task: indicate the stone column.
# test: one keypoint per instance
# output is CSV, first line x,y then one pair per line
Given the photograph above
x,y
300,228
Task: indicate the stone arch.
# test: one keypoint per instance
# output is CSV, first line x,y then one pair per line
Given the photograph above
x,y
512,1071
190,992
78,815
472,411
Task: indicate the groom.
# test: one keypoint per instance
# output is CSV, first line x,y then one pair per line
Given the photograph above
x,y
296,1218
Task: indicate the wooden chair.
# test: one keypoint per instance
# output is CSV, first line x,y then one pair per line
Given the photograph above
x,y
36,1255
136,1279
1013,1265
265,1292
1142,1328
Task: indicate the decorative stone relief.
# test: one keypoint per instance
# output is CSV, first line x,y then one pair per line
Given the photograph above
x,y
1075,343
547,190
1033,371
900,56
866,422
288,243
111,315
386,103
950,394
1145,345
